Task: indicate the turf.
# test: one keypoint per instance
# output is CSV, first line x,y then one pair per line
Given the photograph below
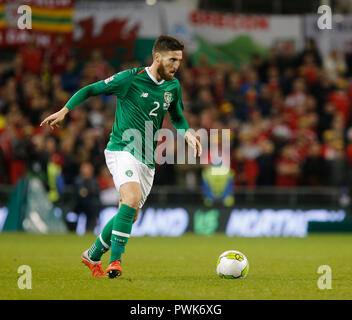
x,y
177,268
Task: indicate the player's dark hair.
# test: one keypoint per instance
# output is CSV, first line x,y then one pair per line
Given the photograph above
x,y
167,43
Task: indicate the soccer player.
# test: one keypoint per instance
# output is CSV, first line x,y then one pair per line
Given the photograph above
x,y
144,95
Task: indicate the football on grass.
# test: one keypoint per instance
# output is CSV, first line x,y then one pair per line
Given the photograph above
x,y
232,264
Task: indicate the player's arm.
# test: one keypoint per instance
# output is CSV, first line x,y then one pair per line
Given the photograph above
x,y
180,123
117,84
79,97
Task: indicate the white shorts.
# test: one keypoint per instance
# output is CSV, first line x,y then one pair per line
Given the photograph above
x,y
124,167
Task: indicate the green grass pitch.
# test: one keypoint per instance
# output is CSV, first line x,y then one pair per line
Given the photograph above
x,y
177,268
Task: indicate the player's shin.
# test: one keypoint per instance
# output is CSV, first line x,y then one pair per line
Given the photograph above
x,y
121,231
102,243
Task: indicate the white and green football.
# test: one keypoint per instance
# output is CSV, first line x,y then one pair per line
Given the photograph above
x,y
232,264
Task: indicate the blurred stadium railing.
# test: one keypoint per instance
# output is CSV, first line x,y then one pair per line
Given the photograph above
x,y
245,196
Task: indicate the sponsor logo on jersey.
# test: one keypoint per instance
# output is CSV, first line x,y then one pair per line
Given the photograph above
x,y
144,95
109,79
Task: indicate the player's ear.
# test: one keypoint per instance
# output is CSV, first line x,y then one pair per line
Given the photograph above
x,y
157,57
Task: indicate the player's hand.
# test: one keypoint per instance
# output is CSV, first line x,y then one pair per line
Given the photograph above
x,y
54,119
194,143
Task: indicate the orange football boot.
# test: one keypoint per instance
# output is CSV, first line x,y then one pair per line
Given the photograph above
x,y
114,269
94,266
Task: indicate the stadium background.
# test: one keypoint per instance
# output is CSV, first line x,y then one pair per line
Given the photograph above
x,y
269,74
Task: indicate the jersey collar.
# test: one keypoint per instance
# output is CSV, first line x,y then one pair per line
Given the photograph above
x,y
152,77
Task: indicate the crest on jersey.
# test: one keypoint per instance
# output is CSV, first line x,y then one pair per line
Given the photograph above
x,y
129,173
168,97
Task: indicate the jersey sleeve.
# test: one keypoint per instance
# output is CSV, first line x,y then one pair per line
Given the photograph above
x,y
117,84
176,112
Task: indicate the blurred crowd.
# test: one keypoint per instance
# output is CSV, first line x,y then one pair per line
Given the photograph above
x,y
289,115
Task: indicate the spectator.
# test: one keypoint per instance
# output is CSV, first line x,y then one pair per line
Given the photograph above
x,y
340,99
58,55
70,167
234,95
70,77
309,69
313,167
264,101
99,65
266,164
87,192
335,65
287,168
246,170
32,56
298,95
325,118
310,47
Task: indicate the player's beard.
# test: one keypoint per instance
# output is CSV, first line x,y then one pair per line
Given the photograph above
x,y
163,73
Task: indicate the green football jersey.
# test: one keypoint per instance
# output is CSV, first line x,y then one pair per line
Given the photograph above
x,y
142,103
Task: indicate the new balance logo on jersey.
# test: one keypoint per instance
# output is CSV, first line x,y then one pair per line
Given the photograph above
x,y
144,95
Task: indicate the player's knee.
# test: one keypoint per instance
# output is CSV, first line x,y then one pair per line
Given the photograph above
x,y
132,200
131,194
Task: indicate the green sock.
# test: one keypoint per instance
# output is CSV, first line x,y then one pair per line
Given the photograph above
x,y
121,231
102,244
